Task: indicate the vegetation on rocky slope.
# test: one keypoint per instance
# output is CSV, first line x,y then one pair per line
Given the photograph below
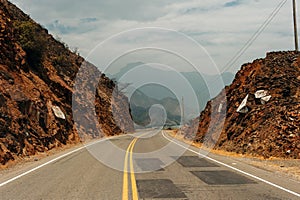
x,y
36,85
268,124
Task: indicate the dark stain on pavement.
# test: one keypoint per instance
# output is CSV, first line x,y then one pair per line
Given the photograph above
x,y
222,177
150,164
194,161
159,188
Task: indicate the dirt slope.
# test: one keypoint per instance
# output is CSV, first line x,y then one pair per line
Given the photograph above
x,y
269,123
36,83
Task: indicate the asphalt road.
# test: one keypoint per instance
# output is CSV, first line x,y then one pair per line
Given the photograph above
x,y
149,167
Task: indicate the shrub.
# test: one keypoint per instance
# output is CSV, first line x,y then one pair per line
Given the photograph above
x,y
32,41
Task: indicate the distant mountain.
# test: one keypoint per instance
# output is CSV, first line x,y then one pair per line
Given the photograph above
x,y
123,70
194,79
200,82
140,105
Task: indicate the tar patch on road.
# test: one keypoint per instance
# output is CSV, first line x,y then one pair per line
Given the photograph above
x,y
150,164
158,188
194,161
222,177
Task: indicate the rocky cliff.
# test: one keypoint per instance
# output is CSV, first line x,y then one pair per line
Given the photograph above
x,y
262,111
36,83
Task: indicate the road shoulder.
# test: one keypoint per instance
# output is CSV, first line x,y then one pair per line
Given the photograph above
x,y
289,168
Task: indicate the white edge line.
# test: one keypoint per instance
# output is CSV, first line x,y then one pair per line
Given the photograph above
x,y
55,159
248,174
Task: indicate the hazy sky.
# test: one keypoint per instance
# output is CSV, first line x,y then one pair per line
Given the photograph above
x,y
222,27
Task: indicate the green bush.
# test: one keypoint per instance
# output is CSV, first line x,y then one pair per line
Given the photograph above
x,y
32,41
61,61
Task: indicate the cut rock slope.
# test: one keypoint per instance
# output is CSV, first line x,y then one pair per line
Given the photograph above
x,y
268,123
36,83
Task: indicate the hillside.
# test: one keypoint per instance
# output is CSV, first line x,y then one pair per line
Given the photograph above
x,y
268,124
196,80
140,104
36,83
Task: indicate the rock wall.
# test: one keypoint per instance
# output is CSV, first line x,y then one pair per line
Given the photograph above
x,y
36,83
268,124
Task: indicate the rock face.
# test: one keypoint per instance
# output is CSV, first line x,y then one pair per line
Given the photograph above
x,y
36,83
268,123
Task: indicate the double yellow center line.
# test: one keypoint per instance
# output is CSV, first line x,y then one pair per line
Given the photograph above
x,y
125,193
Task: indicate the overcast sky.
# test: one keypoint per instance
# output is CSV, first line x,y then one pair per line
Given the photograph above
x,y
222,27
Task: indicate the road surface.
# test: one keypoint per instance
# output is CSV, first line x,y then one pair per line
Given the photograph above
x,y
80,175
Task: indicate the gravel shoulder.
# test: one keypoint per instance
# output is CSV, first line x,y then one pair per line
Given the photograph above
x,y
23,164
284,167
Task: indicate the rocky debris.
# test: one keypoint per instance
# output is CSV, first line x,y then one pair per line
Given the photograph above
x,y
36,85
262,112
58,113
243,107
263,96
260,94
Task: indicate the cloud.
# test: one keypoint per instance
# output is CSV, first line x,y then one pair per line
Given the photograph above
x,y
221,26
60,28
112,9
88,20
233,3
67,27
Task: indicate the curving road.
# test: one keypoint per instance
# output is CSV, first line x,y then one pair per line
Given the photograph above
x,y
147,166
